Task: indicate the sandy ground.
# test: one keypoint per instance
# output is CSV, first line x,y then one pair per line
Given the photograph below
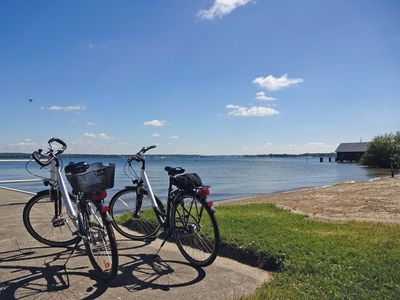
x,y
377,201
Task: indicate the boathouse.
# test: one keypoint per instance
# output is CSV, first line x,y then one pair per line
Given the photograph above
x,y
351,152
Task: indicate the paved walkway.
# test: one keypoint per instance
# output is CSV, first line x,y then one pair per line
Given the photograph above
x,y
30,270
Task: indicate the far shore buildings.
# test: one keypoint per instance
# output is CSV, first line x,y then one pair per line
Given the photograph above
x,y
351,152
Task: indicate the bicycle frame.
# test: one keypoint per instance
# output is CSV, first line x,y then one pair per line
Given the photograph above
x,y
147,184
56,176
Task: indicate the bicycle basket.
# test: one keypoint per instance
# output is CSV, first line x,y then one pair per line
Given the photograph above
x,y
187,182
95,179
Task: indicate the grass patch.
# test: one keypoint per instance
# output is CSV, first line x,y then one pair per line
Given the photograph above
x,y
146,213
315,260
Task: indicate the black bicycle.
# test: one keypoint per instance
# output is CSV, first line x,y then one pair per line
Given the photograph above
x,y
140,215
57,218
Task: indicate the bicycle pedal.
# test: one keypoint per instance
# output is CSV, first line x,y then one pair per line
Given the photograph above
x,y
149,240
58,222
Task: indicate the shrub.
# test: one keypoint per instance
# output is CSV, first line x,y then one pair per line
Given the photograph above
x,y
383,150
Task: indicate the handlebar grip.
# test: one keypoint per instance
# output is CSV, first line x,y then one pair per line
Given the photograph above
x,y
36,157
146,148
57,140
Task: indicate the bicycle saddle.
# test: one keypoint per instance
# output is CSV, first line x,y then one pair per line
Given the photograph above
x,y
174,171
76,168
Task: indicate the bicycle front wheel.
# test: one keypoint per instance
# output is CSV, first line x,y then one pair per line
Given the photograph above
x,y
133,215
40,220
100,244
195,229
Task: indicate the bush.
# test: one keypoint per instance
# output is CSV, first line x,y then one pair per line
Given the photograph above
x,y
383,150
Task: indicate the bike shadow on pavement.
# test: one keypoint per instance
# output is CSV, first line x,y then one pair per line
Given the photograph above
x,y
38,272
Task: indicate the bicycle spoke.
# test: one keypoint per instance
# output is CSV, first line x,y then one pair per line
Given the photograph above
x,y
195,232
131,219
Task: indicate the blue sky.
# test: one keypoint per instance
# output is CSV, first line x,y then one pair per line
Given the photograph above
x,y
199,76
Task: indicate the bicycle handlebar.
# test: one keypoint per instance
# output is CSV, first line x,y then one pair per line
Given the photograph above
x,y
145,149
36,156
50,155
57,140
138,156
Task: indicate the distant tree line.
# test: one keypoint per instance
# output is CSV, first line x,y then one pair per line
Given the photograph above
x,y
383,151
331,154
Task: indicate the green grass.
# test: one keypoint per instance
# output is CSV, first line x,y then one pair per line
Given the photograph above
x,y
146,213
315,260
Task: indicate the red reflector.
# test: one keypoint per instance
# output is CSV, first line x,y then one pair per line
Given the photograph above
x,y
105,209
98,196
204,191
210,203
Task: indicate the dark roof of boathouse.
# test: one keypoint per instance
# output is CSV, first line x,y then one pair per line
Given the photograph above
x,y
353,147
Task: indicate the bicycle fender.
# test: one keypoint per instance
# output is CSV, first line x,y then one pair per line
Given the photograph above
x,y
133,188
107,217
44,192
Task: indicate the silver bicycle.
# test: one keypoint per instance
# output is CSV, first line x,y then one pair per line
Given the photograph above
x,y
57,218
140,215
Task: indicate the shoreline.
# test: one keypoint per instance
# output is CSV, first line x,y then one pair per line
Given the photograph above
x,y
373,200
229,200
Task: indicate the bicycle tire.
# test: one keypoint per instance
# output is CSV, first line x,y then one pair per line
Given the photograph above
x,y
138,228
101,252
197,238
41,203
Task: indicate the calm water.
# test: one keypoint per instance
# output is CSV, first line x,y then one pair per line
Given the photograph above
x,y
229,177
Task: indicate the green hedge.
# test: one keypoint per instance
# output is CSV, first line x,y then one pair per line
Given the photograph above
x,y
383,150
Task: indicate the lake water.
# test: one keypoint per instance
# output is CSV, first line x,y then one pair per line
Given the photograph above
x,y
229,177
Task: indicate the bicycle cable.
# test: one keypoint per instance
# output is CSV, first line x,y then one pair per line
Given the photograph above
x,y
35,175
39,176
131,171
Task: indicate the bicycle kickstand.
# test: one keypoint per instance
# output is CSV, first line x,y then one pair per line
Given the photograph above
x,y
64,266
163,243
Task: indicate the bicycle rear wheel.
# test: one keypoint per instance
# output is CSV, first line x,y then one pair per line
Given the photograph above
x,y
39,219
195,229
133,216
100,244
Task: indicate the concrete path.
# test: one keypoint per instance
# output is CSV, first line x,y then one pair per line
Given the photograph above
x,y
30,270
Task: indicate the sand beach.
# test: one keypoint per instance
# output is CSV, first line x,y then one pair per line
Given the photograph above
x,y
375,200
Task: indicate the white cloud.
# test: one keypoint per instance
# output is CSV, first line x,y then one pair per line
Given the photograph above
x,y
156,135
155,123
221,8
89,134
26,144
103,136
100,135
67,108
271,83
254,111
175,137
90,124
263,97
316,144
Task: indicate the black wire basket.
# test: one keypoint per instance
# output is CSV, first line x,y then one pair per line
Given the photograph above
x,y
95,179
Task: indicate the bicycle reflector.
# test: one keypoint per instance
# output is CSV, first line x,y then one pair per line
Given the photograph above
x,y
98,196
203,191
105,209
